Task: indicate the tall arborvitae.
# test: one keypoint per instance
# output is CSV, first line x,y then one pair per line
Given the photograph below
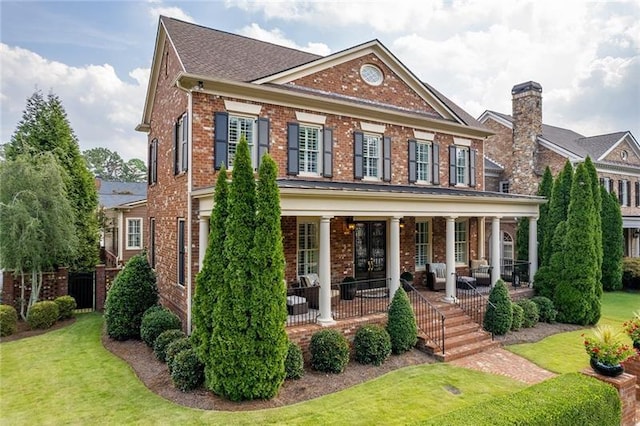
x,y
612,241
268,293
211,276
544,190
597,231
559,204
575,295
522,239
231,369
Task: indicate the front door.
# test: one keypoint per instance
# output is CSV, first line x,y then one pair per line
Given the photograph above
x,y
370,244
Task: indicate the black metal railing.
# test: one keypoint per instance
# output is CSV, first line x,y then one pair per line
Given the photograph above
x,y
428,318
514,271
472,301
361,298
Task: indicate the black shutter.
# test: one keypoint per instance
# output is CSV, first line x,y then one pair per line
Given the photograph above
x,y
263,138
472,167
436,164
413,173
154,161
176,141
184,143
221,139
637,194
327,147
293,130
149,164
628,183
181,252
610,185
152,242
452,165
620,192
386,164
602,182
358,160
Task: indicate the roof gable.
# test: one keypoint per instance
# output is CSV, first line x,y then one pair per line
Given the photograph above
x,y
113,193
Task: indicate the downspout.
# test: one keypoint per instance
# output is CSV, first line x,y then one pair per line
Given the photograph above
x,y
122,234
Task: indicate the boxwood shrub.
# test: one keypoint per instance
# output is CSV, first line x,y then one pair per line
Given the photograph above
x,y
43,314
499,315
66,305
294,362
163,340
546,309
531,314
372,345
401,323
518,317
155,321
8,320
567,400
329,351
174,348
187,372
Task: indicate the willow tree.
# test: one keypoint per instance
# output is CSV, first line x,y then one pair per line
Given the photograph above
x,y
36,220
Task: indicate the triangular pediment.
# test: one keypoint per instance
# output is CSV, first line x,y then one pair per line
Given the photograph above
x,y
625,150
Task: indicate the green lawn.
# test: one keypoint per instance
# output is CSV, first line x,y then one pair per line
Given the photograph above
x,y
67,377
564,352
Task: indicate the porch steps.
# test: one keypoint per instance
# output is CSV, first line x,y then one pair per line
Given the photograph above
x,y
463,336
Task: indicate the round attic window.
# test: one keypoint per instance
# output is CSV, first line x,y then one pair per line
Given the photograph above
x,y
371,74
624,155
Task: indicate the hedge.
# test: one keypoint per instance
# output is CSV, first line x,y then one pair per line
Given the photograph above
x,y
570,399
43,314
8,320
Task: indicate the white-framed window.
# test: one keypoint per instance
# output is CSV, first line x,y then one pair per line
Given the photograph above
x,y
182,252
461,241
308,248
239,126
423,161
310,149
606,182
504,186
134,233
181,145
371,74
423,244
624,187
372,155
462,165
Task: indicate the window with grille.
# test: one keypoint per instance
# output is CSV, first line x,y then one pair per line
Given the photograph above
x,y
371,155
423,161
307,248
241,126
422,245
309,149
134,233
461,241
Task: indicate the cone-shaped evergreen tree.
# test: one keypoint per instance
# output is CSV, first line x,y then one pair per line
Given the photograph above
x,y
522,239
575,295
401,323
230,374
559,204
544,190
211,276
499,315
597,231
612,241
268,293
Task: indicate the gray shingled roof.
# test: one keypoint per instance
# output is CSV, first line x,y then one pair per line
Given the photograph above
x,y
491,165
112,194
466,118
595,146
210,52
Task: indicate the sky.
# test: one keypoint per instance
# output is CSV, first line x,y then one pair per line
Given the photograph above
x,y
96,55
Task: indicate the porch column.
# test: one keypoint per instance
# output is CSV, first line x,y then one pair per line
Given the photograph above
x,y
481,241
394,258
324,272
450,289
495,249
533,248
203,239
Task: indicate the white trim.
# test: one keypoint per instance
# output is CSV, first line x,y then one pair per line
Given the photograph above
x,y
373,128
242,108
495,117
311,118
126,237
462,142
428,136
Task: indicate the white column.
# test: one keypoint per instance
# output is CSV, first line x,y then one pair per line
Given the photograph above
x,y
495,249
324,272
481,237
533,248
203,239
394,257
450,289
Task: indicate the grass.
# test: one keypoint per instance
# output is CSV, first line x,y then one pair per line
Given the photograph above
x,y
67,377
564,352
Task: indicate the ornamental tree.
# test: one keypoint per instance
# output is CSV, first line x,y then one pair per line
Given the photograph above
x,y
544,190
612,241
597,230
558,205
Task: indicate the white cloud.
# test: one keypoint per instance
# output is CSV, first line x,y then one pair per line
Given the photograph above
x,y
276,36
102,108
171,12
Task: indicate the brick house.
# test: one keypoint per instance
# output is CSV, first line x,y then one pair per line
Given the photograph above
x,y
523,146
378,171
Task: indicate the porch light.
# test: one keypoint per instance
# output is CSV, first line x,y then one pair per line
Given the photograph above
x,y
401,222
351,225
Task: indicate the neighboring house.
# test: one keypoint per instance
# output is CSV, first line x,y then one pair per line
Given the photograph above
x,y
523,146
123,214
378,171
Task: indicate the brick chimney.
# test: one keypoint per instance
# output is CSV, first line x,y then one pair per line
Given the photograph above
x,y
527,125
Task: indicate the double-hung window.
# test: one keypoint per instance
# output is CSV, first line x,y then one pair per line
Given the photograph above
x,y
152,166
624,188
423,162
240,126
180,146
134,233
462,165
461,241
371,154
307,248
182,252
309,149
423,248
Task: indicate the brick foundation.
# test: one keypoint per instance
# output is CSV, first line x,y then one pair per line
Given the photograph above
x,y
625,385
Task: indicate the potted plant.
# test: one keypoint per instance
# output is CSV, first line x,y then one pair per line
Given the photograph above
x,y
348,288
407,278
632,328
606,351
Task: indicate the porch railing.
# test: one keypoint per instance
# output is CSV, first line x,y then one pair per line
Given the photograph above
x,y
361,298
472,301
514,271
429,319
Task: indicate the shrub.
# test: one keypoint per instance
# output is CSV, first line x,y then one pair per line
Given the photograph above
x,y
8,320
187,372
174,348
531,314
546,310
499,315
329,351
155,321
133,292
544,281
43,314
66,305
401,323
631,273
518,317
163,340
372,345
294,362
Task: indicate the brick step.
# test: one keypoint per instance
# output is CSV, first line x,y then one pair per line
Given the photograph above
x,y
466,350
462,329
465,339
450,322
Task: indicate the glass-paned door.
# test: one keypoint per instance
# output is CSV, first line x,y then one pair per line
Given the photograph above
x,y
370,244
